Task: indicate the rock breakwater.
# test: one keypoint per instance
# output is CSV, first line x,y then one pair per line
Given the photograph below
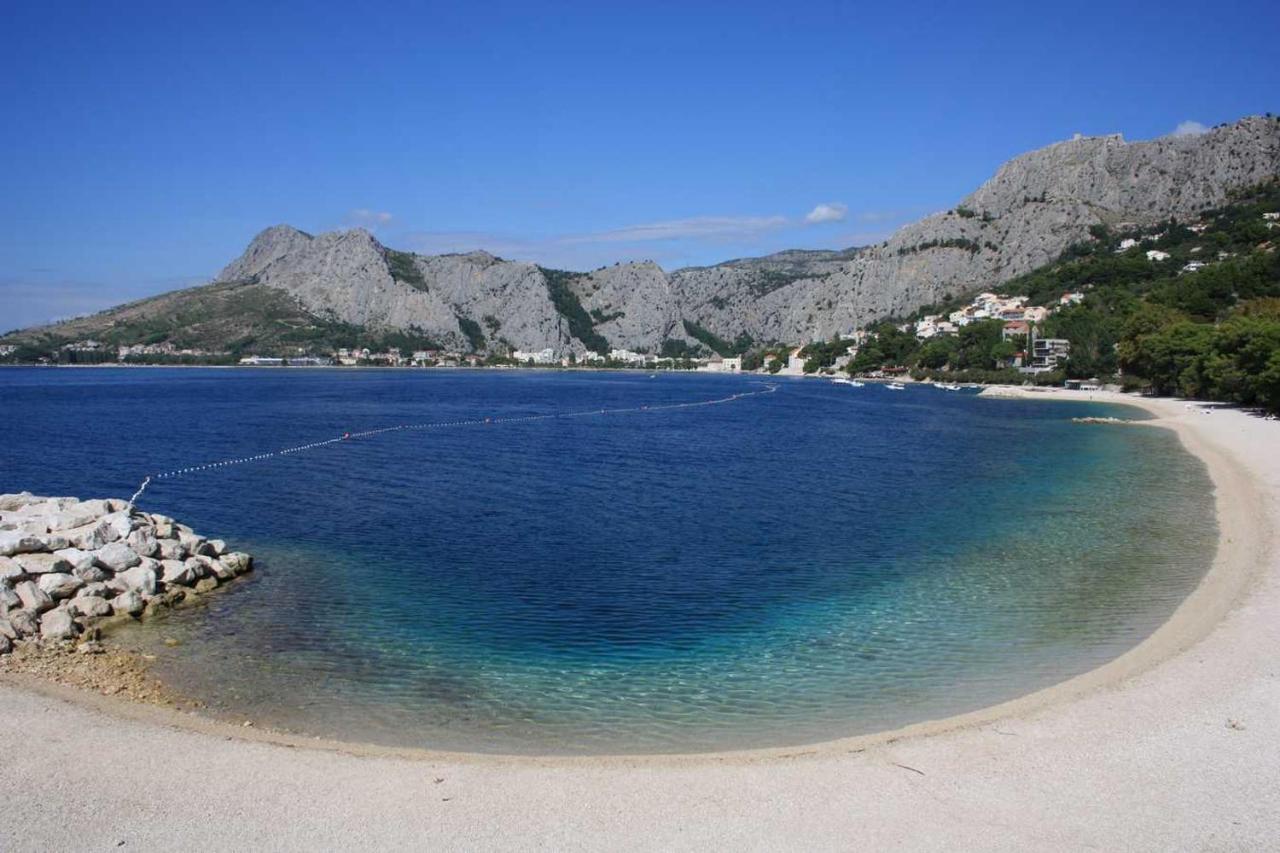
x,y
68,564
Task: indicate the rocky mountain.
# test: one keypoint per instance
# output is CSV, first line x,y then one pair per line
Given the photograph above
x,y
1022,218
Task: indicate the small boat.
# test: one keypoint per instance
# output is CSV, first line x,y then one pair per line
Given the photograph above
x,y
895,386
945,387
841,381
856,384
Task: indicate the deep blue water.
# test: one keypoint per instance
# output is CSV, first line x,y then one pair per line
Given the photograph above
x,y
817,562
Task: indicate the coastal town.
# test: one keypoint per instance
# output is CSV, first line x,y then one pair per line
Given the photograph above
x,y
1037,354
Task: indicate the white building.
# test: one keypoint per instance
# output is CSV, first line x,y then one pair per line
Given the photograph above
x,y
1194,266
1157,255
1126,244
719,364
795,363
1073,298
542,356
626,356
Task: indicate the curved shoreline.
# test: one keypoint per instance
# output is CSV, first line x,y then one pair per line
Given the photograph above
x,y
1168,746
1225,583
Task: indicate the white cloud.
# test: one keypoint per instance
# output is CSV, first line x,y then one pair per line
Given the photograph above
x,y
1189,128
367,218
677,229
831,212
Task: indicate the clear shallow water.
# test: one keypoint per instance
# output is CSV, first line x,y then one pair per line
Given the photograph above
x,y
815,563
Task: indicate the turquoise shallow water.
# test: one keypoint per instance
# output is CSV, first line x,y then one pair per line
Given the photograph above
x,y
815,563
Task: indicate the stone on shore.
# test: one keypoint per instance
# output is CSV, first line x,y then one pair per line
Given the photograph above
x,y
143,542
171,549
178,572
24,622
118,557
8,599
13,502
118,524
33,597
91,574
95,588
57,625
78,558
212,548
128,603
10,570
88,538
208,584
139,579
90,606
238,563
42,564
59,585
17,542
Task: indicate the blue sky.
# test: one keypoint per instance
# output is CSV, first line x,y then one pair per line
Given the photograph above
x,y
145,143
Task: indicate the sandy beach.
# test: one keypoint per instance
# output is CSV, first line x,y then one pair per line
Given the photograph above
x,y
1171,746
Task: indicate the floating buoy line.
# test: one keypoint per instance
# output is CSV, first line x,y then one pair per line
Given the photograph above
x,y
370,433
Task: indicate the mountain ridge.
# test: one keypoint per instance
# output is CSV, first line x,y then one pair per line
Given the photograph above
x,y
1033,207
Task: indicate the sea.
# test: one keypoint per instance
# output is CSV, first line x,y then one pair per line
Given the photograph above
x,y
577,562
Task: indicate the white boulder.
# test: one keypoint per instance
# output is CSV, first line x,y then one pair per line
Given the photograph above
x,y
143,542
178,572
89,538
57,625
59,585
10,570
90,606
41,564
79,559
138,579
212,548
118,556
33,598
128,603
17,542
236,562
170,549
24,622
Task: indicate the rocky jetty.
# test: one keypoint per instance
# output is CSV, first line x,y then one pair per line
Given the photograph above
x,y
66,564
